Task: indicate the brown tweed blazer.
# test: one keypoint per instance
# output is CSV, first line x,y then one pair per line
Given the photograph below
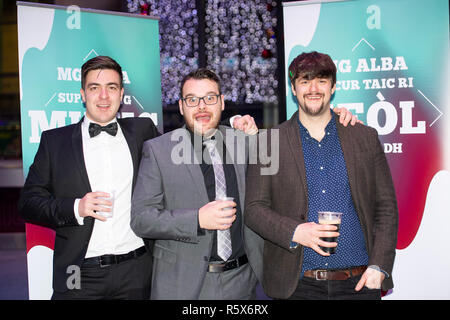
x,y
276,204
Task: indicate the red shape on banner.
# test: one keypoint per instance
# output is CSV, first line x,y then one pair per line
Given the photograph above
x,y
412,188
413,169
39,236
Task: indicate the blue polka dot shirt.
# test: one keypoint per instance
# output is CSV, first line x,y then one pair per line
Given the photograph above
x,y
329,190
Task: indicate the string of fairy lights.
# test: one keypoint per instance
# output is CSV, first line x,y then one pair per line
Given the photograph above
x,y
240,45
178,40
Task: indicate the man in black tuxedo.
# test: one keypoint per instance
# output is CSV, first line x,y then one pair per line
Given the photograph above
x,y
75,168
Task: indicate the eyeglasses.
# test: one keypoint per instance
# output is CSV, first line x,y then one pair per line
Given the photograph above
x,y
195,101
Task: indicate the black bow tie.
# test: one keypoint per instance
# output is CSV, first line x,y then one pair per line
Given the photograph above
x,y
95,129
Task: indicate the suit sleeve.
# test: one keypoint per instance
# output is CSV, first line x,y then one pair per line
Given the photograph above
x,y
37,203
152,131
259,215
149,216
386,212
227,121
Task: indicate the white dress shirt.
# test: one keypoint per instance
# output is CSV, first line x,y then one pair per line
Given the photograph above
x,y
110,168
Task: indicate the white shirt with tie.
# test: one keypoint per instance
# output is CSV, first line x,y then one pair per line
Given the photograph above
x,y
110,168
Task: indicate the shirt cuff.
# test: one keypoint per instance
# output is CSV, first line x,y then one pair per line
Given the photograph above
x,y
373,266
232,120
80,220
293,244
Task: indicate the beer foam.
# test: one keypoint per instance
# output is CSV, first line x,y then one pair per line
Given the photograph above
x,y
326,221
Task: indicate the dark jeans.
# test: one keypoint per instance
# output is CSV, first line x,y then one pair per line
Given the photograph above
x,y
312,289
128,280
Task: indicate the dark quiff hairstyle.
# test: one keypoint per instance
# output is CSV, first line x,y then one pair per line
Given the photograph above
x,y
100,63
200,74
310,65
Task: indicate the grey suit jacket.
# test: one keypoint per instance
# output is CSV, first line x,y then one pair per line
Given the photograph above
x,y
169,191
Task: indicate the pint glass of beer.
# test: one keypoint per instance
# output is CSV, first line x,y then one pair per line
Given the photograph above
x,y
333,218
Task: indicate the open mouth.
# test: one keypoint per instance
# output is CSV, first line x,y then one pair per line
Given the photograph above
x,y
202,117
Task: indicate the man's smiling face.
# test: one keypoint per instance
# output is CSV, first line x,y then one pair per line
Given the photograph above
x,y
102,95
313,95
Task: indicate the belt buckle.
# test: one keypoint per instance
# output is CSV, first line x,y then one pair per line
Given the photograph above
x,y
216,267
319,271
104,265
231,265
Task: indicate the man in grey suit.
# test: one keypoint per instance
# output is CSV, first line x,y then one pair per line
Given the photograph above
x,y
203,250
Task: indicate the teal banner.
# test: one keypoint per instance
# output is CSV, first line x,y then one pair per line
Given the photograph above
x,y
392,59
54,42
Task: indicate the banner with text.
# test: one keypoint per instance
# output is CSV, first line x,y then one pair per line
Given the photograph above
x,y
392,58
54,42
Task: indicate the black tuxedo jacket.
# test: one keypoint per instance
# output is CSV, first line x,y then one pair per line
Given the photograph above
x,y
57,177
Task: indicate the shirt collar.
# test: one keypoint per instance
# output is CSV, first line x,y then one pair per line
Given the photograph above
x,y
201,138
330,128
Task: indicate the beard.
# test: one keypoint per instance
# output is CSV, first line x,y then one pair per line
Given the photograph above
x,y
312,111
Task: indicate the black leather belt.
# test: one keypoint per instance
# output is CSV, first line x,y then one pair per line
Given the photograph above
x,y
229,265
110,259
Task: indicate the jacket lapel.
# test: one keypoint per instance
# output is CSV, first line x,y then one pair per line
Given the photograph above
x,y
78,156
349,157
194,158
296,152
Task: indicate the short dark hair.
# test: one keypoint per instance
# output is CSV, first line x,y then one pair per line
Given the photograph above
x,y
100,63
310,65
200,74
